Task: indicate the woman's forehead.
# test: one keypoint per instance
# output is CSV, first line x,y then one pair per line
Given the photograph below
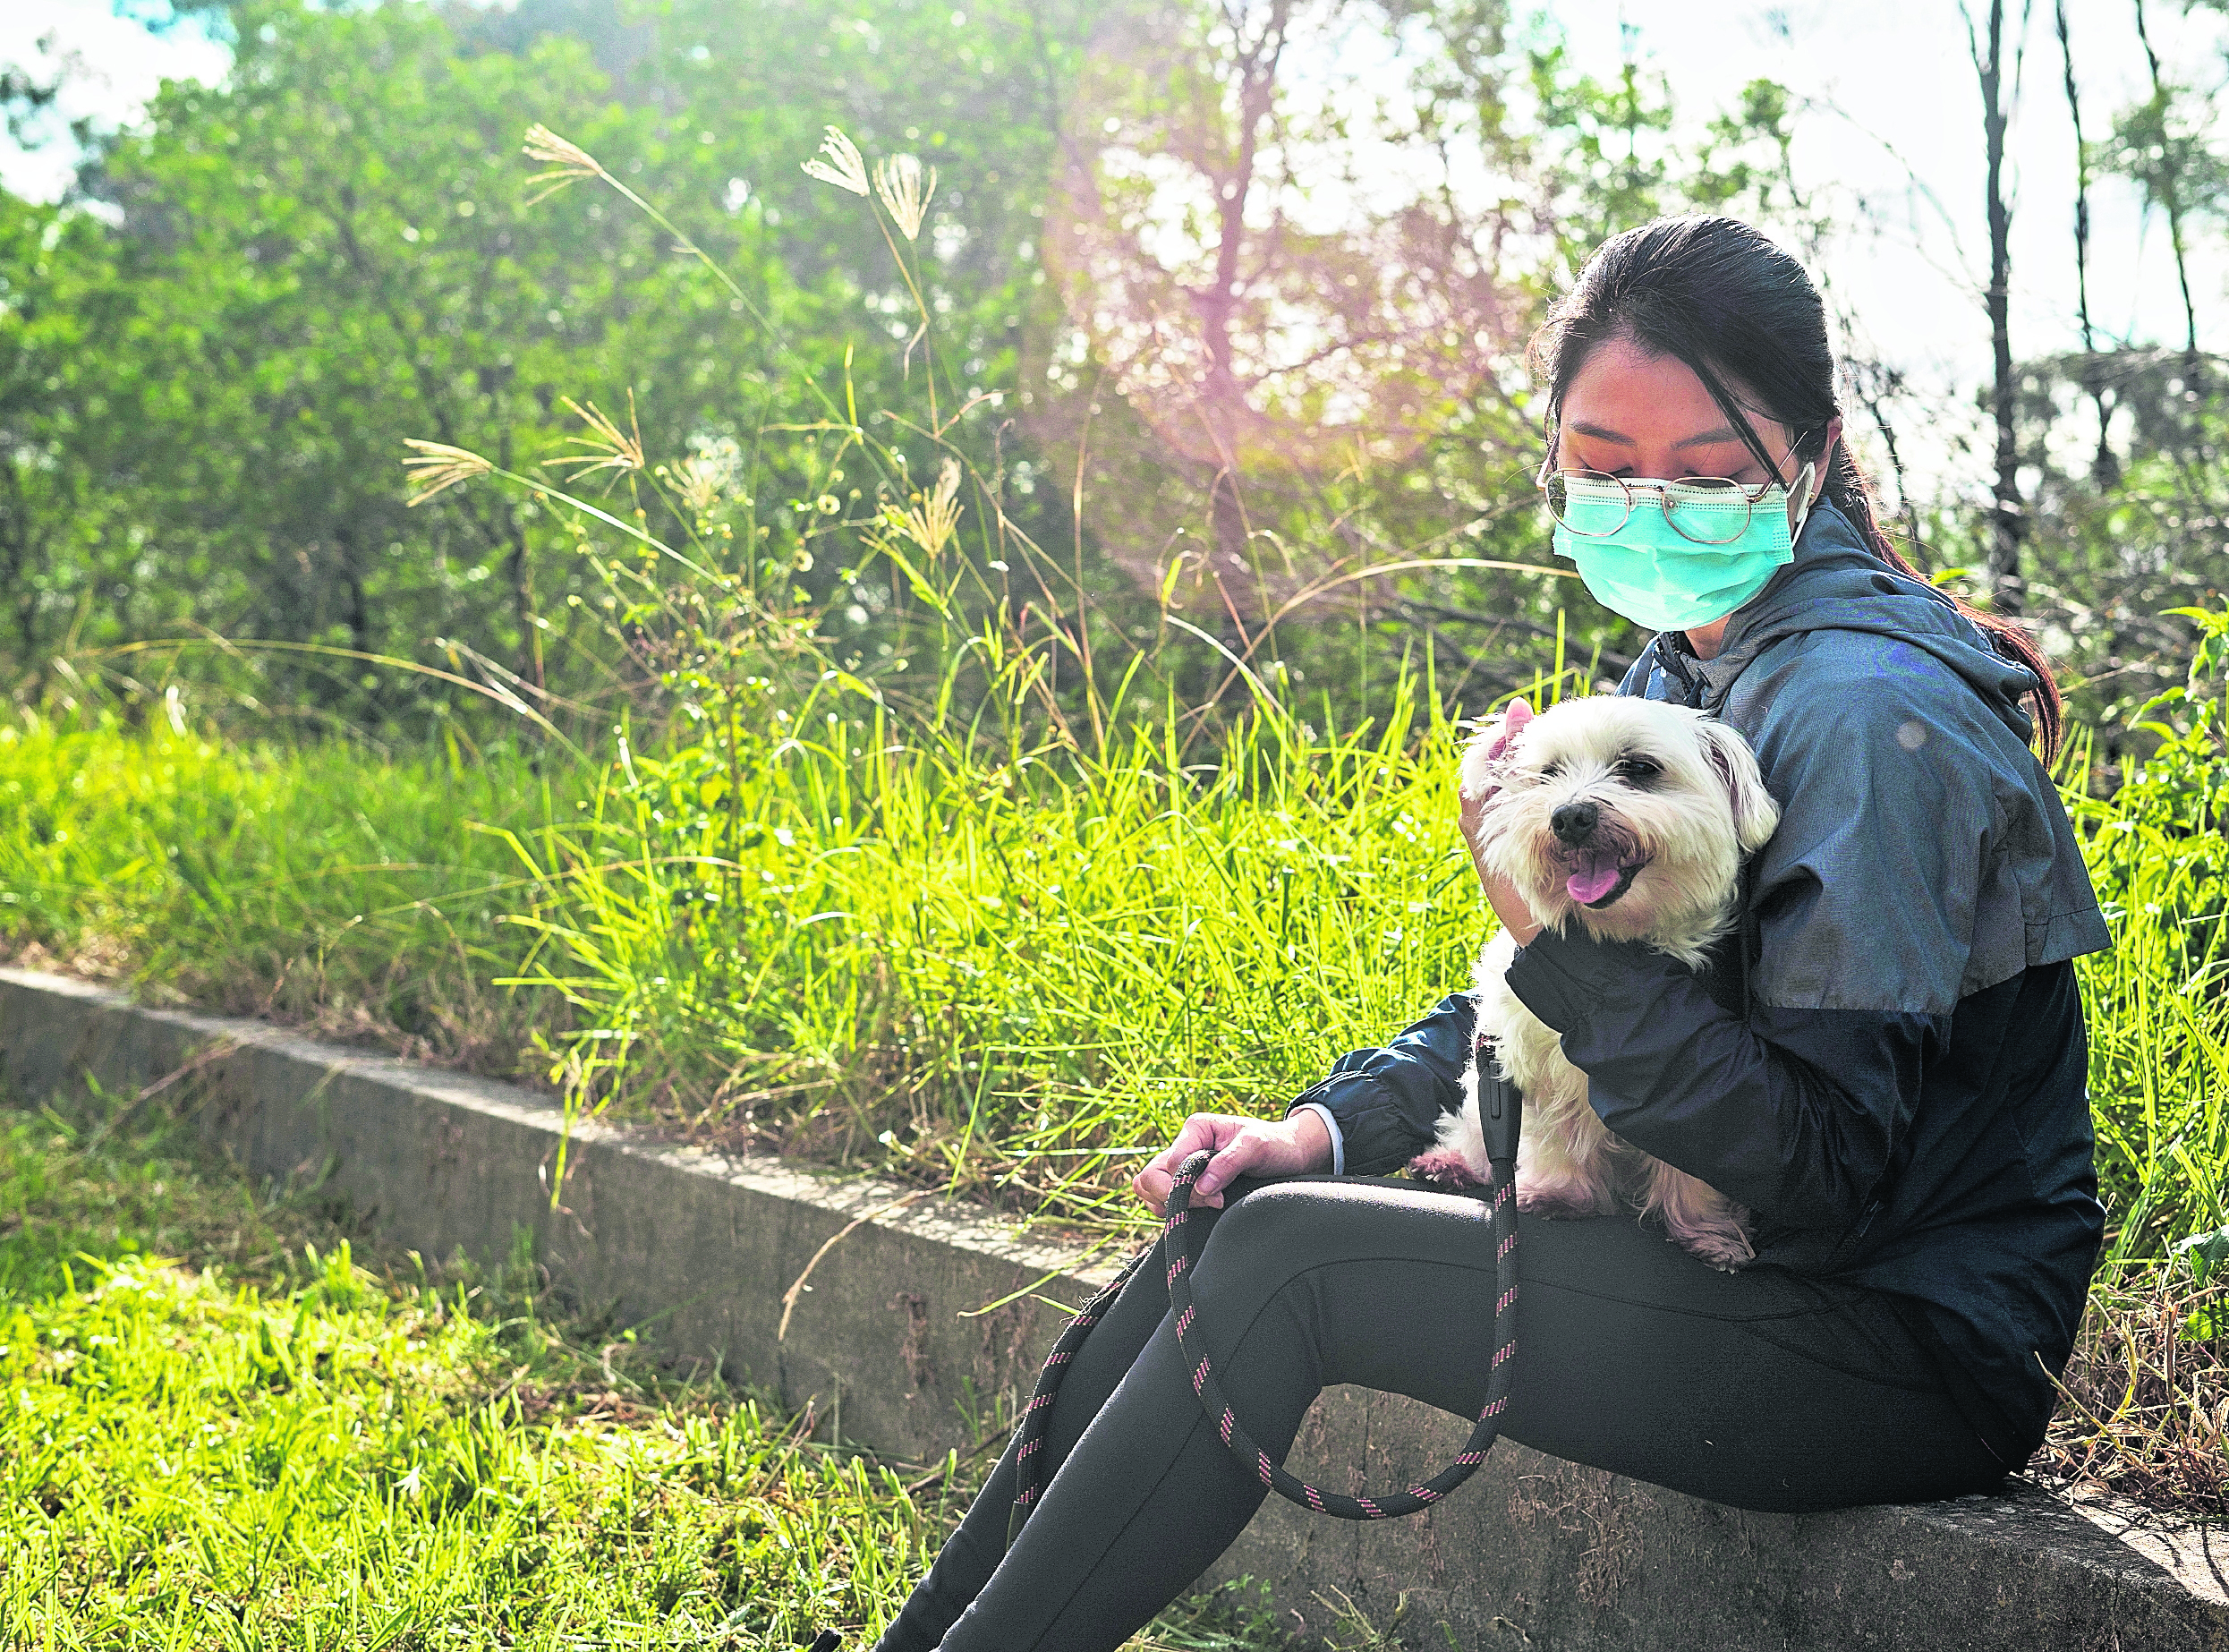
x,y
1622,396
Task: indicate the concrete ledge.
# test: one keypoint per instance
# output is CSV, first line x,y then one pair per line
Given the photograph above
x,y
1532,1553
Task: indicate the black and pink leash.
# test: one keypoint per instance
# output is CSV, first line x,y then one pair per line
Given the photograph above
x,y
1500,1109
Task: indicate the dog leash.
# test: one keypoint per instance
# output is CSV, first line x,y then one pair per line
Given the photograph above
x,y
1500,1110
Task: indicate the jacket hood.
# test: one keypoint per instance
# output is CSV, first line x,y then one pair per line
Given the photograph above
x,y
1837,583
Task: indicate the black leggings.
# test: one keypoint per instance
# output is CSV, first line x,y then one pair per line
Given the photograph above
x,y
1762,1389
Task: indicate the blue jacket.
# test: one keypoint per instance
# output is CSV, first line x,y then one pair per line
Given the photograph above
x,y
1887,1064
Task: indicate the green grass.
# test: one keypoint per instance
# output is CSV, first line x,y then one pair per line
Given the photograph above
x,y
318,885
2159,1029
1008,974
1011,975
1019,973
219,1428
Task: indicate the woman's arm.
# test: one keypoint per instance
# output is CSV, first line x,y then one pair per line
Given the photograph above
x,y
1794,1113
1382,1104
1386,1102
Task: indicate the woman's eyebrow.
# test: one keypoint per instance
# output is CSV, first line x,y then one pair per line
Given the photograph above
x,y
1602,433
1708,439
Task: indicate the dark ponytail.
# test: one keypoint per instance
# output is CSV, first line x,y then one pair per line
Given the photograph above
x,y
1720,296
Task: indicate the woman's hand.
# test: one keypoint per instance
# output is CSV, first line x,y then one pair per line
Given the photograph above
x,y
1502,894
1300,1146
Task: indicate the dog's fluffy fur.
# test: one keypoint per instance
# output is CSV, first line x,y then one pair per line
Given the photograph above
x,y
1631,818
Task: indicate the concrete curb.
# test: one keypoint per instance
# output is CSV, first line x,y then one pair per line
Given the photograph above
x,y
1533,1554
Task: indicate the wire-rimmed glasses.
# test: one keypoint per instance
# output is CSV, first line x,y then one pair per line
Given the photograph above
x,y
1703,510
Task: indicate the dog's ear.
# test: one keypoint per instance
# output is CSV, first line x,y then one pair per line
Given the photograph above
x,y
1490,745
1754,813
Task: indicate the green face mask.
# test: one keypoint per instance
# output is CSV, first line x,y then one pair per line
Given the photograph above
x,y
1668,555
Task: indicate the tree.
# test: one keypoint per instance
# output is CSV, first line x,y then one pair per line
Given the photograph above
x,y
337,248
1999,94
2156,156
2106,466
1261,304
337,251
60,350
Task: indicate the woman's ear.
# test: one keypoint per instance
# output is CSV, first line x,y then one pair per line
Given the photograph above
x,y
1800,509
1754,813
1826,455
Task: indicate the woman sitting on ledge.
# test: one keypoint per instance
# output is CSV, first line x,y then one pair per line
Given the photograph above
x,y
1894,1084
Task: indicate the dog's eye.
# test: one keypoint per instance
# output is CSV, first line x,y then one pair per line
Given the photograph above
x,y
1638,770
1548,771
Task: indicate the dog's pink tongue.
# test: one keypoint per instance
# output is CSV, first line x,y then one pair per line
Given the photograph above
x,y
1591,885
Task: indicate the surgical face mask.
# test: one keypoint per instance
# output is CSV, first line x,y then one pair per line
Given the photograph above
x,y
1670,554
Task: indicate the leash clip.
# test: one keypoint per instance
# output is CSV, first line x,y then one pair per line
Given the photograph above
x,y
1501,1106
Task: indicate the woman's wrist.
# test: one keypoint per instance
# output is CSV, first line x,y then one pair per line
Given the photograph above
x,y
1507,904
1312,1141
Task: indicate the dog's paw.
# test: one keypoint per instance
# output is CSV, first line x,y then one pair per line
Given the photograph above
x,y
1564,1196
1444,1167
1727,1249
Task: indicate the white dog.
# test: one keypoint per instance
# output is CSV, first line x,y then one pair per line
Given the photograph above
x,y
1632,817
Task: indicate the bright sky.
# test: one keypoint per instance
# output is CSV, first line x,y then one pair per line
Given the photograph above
x,y
122,64
1897,120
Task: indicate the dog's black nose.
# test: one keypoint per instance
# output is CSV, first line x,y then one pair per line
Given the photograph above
x,y
1575,822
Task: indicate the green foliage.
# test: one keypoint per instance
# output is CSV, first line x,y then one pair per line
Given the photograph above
x,y
358,897
341,248
57,305
204,383
1014,970
222,1430
205,388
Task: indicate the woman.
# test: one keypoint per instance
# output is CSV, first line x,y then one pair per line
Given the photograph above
x,y
1890,1075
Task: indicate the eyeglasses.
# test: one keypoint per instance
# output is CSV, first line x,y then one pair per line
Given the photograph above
x,y
1703,510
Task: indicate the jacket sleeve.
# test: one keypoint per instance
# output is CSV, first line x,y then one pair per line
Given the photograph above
x,y
1384,1103
1796,1113
1887,780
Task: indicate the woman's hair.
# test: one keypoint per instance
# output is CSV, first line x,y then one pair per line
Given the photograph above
x,y
1720,296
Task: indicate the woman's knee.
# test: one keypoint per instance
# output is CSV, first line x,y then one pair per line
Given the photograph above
x,y
1263,1241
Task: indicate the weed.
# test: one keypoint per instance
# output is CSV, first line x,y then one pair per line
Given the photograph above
x,y
2145,1405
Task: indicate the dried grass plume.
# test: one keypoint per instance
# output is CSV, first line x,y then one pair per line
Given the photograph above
x,y
844,168
434,466
563,159
898,181
604,446
935,515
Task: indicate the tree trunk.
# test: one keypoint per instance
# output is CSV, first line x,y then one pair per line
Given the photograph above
x,y
1224,398
2106,468
2170,185
2007,517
